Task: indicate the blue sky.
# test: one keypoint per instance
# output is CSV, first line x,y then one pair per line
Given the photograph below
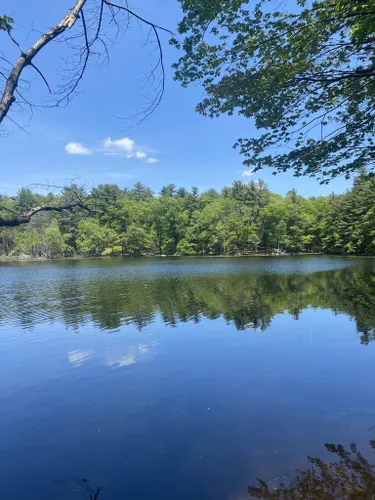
x,y
91,141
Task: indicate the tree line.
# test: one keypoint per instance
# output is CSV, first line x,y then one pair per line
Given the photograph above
x,y
246,217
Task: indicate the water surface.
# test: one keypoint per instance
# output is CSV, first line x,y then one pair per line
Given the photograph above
x,y
181,378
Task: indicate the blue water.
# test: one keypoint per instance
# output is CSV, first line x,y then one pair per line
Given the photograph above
x,y
180,378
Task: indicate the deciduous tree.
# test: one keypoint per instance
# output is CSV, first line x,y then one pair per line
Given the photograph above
x,y
304,72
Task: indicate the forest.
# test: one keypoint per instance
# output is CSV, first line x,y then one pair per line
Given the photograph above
x,y
246,217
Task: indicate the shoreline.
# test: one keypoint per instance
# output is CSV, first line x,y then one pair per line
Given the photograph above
x,y
27,259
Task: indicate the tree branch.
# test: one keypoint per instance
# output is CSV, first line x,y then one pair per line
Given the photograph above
x,y
142,19
75,67
42,76
26,217
25,59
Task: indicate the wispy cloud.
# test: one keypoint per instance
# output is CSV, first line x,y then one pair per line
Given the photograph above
x,y
119,175
77,148
152,160
247,173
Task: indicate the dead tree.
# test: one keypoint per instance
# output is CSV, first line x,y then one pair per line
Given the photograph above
x,y
84,31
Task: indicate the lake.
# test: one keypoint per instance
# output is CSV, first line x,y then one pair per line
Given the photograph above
x,y
181,378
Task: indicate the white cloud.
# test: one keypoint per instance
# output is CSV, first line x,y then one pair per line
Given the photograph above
x,y
124,147
123,144
247,173
76,148
152,160
140,155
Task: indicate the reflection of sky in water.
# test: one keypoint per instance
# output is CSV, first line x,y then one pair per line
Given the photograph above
x,y
78,357
259,372
110,356
133,355
150,268
203,401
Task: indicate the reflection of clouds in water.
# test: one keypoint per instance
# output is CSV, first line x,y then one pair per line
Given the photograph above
x,y
144,348
132,356
119,363
78,357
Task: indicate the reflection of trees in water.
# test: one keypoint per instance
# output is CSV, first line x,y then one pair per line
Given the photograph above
x,y
247,301
350,477
80,488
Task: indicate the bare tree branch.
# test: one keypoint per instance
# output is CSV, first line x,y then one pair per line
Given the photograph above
x,y
17,124
79,77
26,217
100,20
8,210
41,74
15,42
142,19
26,58
81,43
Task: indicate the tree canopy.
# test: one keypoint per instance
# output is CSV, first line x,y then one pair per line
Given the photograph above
x,y
243,218
304,72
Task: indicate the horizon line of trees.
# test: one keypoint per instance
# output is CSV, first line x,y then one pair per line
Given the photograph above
x,y
246,217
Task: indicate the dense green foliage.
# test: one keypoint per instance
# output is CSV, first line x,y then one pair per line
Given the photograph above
x,y
303,70
246,217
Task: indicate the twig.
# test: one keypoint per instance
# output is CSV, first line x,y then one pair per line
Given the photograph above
x,y
41,74
122,7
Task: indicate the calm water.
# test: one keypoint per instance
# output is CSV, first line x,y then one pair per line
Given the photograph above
x,y
181,378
